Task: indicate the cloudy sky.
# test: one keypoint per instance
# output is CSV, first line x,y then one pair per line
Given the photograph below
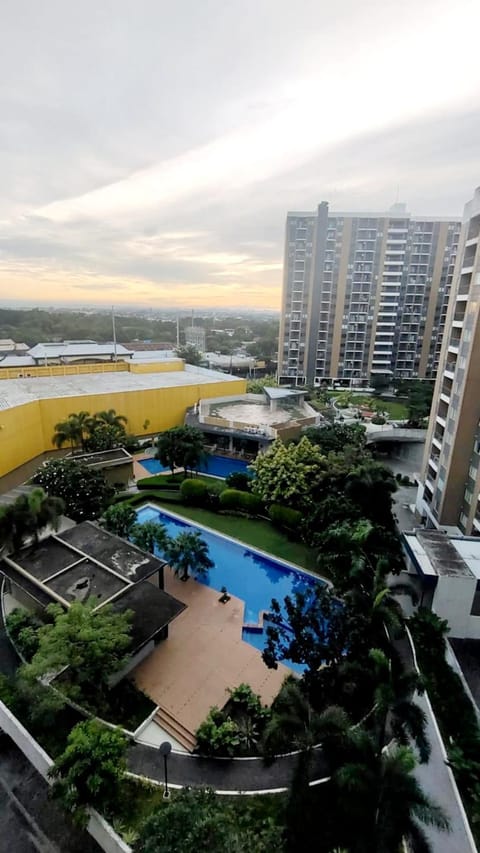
x,y
149,150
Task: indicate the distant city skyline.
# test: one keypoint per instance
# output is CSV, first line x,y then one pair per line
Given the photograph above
x,y
151,158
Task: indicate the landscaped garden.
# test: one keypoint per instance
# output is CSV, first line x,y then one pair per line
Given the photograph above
x,y
330,503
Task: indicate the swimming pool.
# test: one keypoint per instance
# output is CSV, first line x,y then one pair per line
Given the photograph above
x,y
217,466
248,574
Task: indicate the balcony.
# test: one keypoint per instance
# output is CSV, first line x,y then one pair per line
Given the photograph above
x,y
453,348
436,442
445,398
433,462
449,371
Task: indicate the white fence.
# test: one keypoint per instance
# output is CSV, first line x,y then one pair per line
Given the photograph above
x,y
98,828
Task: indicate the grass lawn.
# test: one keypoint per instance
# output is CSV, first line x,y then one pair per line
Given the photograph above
x,y
252,531
394,408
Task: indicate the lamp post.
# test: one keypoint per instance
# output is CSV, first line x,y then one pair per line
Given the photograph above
x,y
165,749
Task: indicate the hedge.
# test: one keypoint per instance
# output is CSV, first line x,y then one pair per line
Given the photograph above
x,y
243,501
157,482
284,517
194,492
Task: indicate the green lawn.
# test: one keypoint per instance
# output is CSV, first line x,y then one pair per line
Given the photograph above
x,y
252,531
394,408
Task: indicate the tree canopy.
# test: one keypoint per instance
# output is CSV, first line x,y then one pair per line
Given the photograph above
x,y
120,519
84,491
181,447
27,517
188,554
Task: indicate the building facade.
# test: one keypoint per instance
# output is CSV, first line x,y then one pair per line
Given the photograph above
x,y
363,294
448,496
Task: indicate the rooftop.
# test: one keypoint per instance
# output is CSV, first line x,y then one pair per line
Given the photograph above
x,y
438,554
103,458
69,349
16,392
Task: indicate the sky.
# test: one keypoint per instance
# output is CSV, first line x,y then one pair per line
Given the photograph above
x,y
150,150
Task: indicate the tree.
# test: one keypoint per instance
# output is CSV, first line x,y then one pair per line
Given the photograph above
x,y
371,486
110,418
93,644
380,383
90,770
195,821
149,535
84,491
189,353
181,447
27,517
120,519
72,430
188,554
335,437
287,474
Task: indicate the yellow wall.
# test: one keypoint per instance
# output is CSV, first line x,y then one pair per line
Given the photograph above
x,y
102,367
26,431
157,367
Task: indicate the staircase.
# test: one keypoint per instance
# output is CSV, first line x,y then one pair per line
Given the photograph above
x,y
176,729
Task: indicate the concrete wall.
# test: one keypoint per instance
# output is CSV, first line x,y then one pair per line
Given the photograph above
x,y
453,601
98,828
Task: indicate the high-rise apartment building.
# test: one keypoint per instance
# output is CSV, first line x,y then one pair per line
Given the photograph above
x,y
363,294
449,494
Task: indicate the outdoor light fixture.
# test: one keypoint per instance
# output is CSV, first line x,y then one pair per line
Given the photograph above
x,y
165,749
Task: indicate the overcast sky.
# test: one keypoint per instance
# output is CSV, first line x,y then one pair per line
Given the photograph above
x,y
149,150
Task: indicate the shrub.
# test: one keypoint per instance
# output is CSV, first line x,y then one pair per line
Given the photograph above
x,y
284,517
239,480
378,420
23,626
194,492
242,501
157,482
218,735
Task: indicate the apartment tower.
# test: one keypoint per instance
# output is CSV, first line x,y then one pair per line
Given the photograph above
x,y
449,494
363,294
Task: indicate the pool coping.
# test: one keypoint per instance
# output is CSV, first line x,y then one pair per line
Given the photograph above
x,y
272,557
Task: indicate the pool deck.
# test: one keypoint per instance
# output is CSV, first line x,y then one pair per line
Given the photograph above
x,y
203,655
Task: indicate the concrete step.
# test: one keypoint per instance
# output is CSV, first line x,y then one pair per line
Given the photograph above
x,y
174,727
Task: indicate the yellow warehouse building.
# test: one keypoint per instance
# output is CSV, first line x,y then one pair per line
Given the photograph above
x,y
159,393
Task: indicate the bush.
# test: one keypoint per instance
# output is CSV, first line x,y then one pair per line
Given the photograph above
x,y
285,518
239,480
157,482
233,499
23,626
194,492
378,420
218,735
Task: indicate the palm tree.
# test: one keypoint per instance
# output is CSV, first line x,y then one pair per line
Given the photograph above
x,y
26,517
110,418
72,430
149,536
294,724
188,553
120,519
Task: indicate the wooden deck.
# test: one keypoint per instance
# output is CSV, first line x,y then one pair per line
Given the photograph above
x,y
203,655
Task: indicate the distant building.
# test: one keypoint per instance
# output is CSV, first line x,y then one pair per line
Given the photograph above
x,y
195,337
69,352
9,347
363,294
450,493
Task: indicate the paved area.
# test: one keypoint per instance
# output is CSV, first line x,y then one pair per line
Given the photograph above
x,y
203,655
29,821
403,499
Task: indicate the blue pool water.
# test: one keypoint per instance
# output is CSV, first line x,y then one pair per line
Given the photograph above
x,y
217,466
246,573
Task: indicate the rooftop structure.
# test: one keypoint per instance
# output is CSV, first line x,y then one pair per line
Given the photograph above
x,y
68,351
7,345
86,561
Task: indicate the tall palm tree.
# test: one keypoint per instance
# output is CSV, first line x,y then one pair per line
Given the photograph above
x,y
72,430
110,418
188,553
26,517
150,535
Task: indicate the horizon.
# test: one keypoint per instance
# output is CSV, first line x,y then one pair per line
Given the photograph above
x,y
145,165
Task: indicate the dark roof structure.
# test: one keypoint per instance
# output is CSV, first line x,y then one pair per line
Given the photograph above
x,y
103,458
86,561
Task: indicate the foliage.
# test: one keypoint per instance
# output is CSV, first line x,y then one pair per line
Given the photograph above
x,y
256,386
39,708
194,492
158,481
181,447
378,420
285,518
188,554
232,499
27,516
237,729
84,491
195,820
419,395
73,430
102,431
22,626
453,709
189,353
119,519
89,771
335,437
379,383
92,644
149,535
287,474
239,480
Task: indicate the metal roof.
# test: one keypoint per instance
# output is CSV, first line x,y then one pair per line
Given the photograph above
x,y
69,349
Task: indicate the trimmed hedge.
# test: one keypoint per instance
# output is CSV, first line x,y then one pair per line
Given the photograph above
x,y
157,482
243,501
284,517
194,492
